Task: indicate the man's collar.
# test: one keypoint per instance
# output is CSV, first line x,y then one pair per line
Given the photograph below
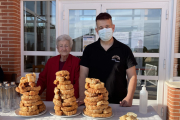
x,y
115,43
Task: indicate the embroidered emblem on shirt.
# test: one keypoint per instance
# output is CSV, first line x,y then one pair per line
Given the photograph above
x,y
116,58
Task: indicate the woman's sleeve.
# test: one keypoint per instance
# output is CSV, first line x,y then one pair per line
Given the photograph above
x,y
42,80
76,79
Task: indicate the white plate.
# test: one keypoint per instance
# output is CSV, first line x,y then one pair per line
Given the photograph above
x,y
17,113
98,117
52,112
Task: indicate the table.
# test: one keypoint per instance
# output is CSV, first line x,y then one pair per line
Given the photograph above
x,y
117,110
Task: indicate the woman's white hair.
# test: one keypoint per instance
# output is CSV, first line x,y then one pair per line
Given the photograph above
x,y
64,37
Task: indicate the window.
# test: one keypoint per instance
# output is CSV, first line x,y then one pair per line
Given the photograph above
x,y
39,38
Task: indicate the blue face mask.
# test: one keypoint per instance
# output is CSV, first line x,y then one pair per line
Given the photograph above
x,y
105,34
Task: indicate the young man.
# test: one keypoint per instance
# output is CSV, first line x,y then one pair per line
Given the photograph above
x,y
110,61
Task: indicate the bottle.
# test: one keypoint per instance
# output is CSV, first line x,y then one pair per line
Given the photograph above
x,y
143,100
13,96
1,93
6,100
4,82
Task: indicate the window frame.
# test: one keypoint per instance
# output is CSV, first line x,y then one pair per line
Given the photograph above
x,y
162,66
32,53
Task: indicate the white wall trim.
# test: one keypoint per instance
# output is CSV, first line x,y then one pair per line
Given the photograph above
x,y
22,36
146,54
58,20
176,78
170,53
176,55
173,40
39,53
147,77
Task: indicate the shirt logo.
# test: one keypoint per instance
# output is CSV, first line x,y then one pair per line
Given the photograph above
x,y
116,58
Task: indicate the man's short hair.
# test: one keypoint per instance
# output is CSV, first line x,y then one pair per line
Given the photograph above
x,y
103,16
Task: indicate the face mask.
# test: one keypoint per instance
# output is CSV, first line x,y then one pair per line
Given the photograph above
x,y
105,34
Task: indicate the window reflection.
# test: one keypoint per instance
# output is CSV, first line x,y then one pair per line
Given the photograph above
x,y
35,63
39,26
90,12
41,8
81,28
147,66
151,87
120,12
132,25
29,5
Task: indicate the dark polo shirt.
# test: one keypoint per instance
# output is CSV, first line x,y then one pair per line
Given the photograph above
x,y
110,67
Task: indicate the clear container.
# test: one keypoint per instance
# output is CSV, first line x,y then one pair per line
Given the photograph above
x,y
1,93
6,98
14,99
5,82
143,102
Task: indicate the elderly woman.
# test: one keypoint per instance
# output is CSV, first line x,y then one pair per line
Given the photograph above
x,y
64,61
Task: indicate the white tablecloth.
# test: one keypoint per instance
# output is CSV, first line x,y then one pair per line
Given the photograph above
x,y
117,110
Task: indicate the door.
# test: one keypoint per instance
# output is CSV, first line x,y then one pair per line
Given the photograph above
x,y
141,26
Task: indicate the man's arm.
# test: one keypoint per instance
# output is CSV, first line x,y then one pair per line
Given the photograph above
x,y
84,71
132,78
